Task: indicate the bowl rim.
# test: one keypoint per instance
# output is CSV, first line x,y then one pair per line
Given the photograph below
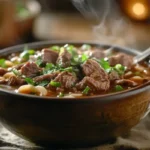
x,y
101,98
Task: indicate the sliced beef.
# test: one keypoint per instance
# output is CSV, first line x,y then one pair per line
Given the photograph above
x,y
96,78
49,56
67,80
98,54
122,59
64,59
30,69
126,82
114,75
2,71
47,77
15,81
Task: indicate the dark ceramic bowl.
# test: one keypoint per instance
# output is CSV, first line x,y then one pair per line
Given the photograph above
x,y
72,122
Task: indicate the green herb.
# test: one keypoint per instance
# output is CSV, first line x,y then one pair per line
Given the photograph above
x,y
2,63
39,61
16,72
84,58
60,94
69,69
49,68
105,64
26,54
119,68
118,88
55,84
30,81
86,47
71,49
43,83
86,90
55,48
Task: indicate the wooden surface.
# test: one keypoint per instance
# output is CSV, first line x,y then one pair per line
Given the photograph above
x,y
76,27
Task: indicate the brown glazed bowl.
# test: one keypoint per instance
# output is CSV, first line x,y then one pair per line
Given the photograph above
x,y
72,122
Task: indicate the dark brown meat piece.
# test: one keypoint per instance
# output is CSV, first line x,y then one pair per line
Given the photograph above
x,y
30,69
49,56
96,78
67,80
122,59
98,54
64,59
14,81
47,77
2,71
114,76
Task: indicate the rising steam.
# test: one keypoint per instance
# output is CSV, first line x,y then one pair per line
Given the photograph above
x,y
113,27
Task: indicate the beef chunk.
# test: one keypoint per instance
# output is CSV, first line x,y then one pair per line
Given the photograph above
x,y
66,79
96,78
98,54
2,71
49,56
47,77
122,59
114,76
64,59
14,81
30,69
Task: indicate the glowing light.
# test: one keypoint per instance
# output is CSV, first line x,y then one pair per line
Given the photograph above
x,y
139,9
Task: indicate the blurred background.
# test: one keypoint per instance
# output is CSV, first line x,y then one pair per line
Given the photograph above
x,y
121,22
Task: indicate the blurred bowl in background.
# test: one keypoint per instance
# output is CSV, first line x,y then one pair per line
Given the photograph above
x,y
26,16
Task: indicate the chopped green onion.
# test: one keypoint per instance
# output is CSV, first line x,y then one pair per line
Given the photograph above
x,y
71,49
55,48
119,68
16,72
39,61
105,65
55,84
60,94
26,54
43,83
118,88
86,47
69,69
86,90
2,63
30,81
84,57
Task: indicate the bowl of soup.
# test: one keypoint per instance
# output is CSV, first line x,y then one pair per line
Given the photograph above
x,y
72,94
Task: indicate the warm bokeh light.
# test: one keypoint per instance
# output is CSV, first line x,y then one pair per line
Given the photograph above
x,y
136,9
139,9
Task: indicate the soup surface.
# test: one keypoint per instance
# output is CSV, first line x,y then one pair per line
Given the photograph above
x,y
70,71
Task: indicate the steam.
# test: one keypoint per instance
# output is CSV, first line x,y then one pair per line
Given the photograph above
x,y
113,27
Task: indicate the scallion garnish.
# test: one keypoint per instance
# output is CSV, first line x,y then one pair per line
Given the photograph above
x,y
119,68
30,81
55,84
86,90
2,63
55,48
118,88
26,54
16,72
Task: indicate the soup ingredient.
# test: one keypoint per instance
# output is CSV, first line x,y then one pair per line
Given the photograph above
x,y
30,69
68,71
